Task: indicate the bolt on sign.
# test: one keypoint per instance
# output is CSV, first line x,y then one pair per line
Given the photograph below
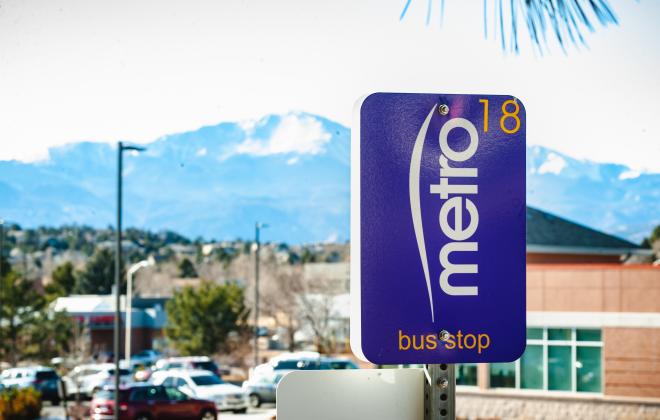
x,y
438,228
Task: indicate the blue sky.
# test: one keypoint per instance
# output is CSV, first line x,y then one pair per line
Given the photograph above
x,y
136,70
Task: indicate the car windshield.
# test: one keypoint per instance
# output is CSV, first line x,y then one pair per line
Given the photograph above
x,y
109,394
269,379
122,372
206,380
339,364
210,365
46,374
297,364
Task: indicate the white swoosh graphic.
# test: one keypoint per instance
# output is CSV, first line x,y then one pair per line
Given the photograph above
x,y
415,204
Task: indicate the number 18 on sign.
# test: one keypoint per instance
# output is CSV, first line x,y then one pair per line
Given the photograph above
x,y
438,228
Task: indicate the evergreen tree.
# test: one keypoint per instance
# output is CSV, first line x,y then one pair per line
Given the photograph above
x,y
50,335
98,277
20,309
201,319
64,281
187,269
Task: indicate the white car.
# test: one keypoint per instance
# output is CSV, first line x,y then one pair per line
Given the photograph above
x,y
87,379
204,385
188,362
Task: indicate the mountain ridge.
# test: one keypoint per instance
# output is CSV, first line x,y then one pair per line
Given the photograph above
x,y
291,171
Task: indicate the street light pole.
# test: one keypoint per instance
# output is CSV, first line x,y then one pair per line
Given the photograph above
x,y
129,305
257,228
2,243
118,264
2,255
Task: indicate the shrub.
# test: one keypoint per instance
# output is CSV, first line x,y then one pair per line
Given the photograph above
x,y
20,404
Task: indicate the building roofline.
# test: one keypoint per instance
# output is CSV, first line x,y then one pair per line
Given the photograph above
x,y
578,250
591,266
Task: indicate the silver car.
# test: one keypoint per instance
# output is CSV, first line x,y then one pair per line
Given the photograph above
x,y
87,379
262,389
43,379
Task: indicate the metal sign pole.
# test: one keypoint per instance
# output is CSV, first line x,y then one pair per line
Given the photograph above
x,y
440,392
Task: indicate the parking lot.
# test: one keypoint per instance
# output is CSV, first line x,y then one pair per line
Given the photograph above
x,y
262,413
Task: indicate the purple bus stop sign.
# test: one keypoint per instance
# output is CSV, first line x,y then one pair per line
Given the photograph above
x,y
438,228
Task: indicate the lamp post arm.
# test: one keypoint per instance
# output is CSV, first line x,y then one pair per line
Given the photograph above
x,y
129,306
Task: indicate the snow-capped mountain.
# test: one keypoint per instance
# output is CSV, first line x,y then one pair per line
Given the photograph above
x,y
606,196
291,171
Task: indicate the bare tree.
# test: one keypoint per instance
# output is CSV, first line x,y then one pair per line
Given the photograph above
x,y
318,311
282,286
297,303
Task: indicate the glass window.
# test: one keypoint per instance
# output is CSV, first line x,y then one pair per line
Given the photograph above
x,y
206,380
287,364
531,367
503,375
535,333
466,374
156,393
122,372
559,368
210,366
588,365
139,394
174,394
588,335
47,374
559,334
555,359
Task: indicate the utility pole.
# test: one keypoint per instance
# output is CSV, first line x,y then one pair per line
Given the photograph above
x,y
2,244
120,156
257,228
2,282
118,265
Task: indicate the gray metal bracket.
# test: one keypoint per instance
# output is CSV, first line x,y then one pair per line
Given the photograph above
x,y
440,392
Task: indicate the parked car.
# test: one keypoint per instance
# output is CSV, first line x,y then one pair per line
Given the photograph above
x,y
87,379
203,384
147,357
262,389
303,360
337,363
149,402
43,379
189,362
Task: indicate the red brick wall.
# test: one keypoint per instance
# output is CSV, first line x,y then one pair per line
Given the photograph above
x,y
141,338
632,361
597,288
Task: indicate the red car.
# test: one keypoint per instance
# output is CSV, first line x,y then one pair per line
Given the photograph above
x,y
150,402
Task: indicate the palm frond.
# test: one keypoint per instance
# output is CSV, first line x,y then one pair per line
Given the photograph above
x,y
564,20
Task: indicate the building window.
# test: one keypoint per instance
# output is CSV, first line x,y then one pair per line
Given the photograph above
x,y
466,374
556,359
531,367
503,375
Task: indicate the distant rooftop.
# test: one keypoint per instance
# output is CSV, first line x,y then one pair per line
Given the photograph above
x,y
550,233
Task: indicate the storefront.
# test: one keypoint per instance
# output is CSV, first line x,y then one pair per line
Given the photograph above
x,y
593,333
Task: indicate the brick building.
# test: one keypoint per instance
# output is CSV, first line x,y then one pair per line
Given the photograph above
x,y
96,315
593,336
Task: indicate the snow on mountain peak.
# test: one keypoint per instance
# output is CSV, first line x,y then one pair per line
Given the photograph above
x,y
629,174
294,133
553,164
